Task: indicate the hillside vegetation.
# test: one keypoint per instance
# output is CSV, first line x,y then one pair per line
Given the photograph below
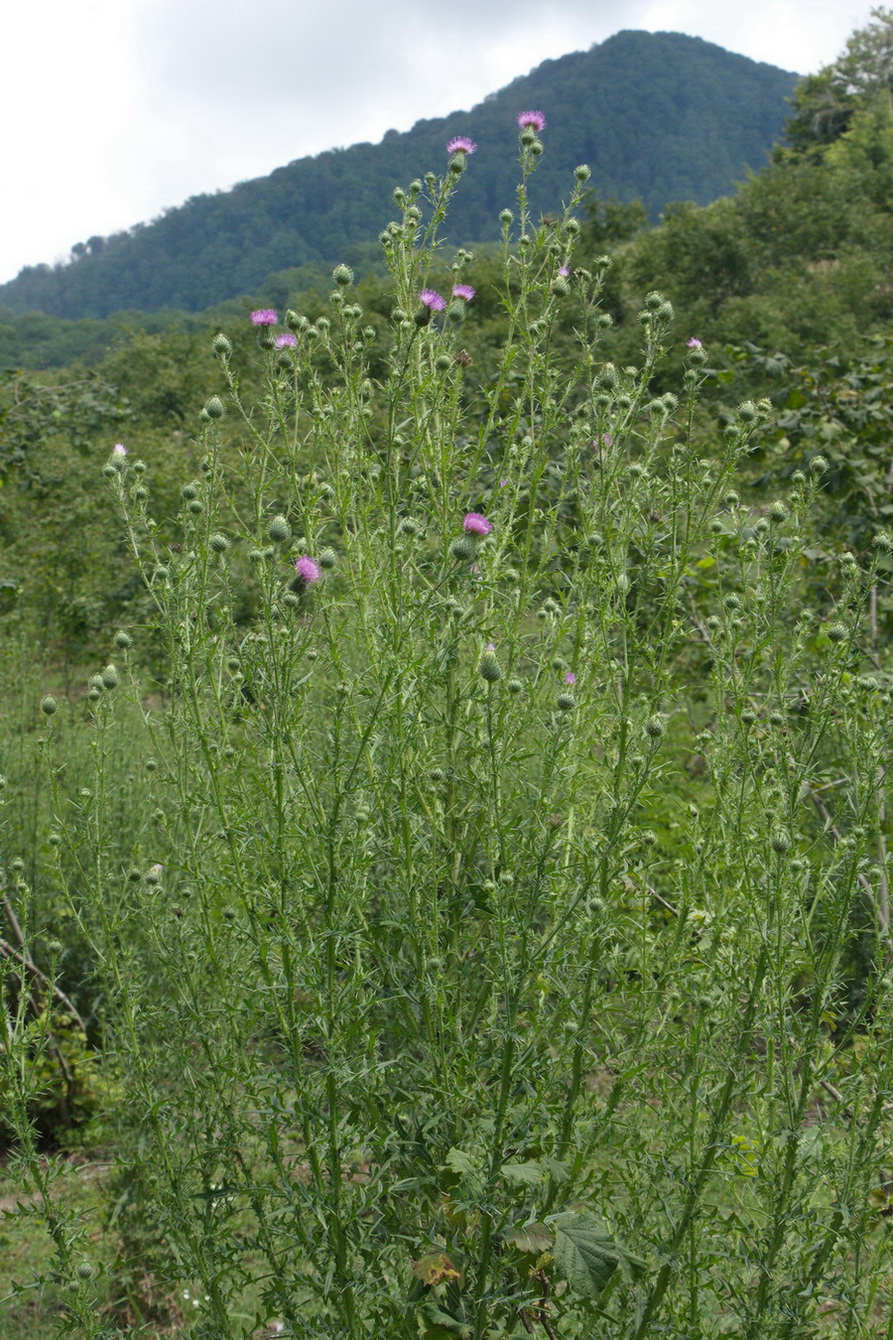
x,y
445,800
660,116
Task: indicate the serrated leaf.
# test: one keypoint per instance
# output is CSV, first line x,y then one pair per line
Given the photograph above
x,y
533,1239
587,1253
526,1174
460,1162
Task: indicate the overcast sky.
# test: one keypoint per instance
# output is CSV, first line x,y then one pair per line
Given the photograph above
x,y
114,109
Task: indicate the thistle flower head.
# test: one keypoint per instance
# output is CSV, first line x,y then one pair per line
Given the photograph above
x,y
461,144
119,449
264,316
476,524
430,298
307,569
570,677
463,291
286,341
694,343
532,120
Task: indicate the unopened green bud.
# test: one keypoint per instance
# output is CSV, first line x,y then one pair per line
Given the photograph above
x,y
49,705
343,276
194,506
123,640
654,727
778,512
110,677
327,558
837,633
514,686
219,543
463,548
506,217
747,411
489,667
215,408
780,843
654,300
221,345
818,465
583,172
565,702
278,530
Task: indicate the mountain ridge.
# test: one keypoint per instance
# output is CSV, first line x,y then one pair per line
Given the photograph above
x,y
661,116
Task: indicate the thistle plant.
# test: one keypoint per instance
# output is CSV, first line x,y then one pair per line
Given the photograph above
x,y
508,952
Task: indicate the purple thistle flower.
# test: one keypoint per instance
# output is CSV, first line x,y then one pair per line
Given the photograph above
x,y
491,646
119,449
461,144
307,569
464,291
694,343
564,272
264,316
286,341
476,524
430,298
502,483
535,120
570,677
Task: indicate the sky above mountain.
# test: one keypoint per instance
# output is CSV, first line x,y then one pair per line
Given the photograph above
x,y
116,109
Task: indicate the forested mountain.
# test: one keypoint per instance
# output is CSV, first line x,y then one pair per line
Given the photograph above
x,y
658,116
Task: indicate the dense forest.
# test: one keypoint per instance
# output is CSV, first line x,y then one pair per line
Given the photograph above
x,y
661,117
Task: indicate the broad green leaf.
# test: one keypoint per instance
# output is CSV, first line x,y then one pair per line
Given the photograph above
x,y
706,562
460,1162
527,1174
588,1255
533,1239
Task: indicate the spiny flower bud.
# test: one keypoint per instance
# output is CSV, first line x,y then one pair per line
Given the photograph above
x,y
488,666
780,843
818,465
565,702
837,632
215,408
110,677
778,512
463,548
279,530
343,275
221,345
327,558
123,640
583,172
49,705
654,727
747,411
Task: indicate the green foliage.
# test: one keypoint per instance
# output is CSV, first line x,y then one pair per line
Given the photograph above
x,y
491,924
659,116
